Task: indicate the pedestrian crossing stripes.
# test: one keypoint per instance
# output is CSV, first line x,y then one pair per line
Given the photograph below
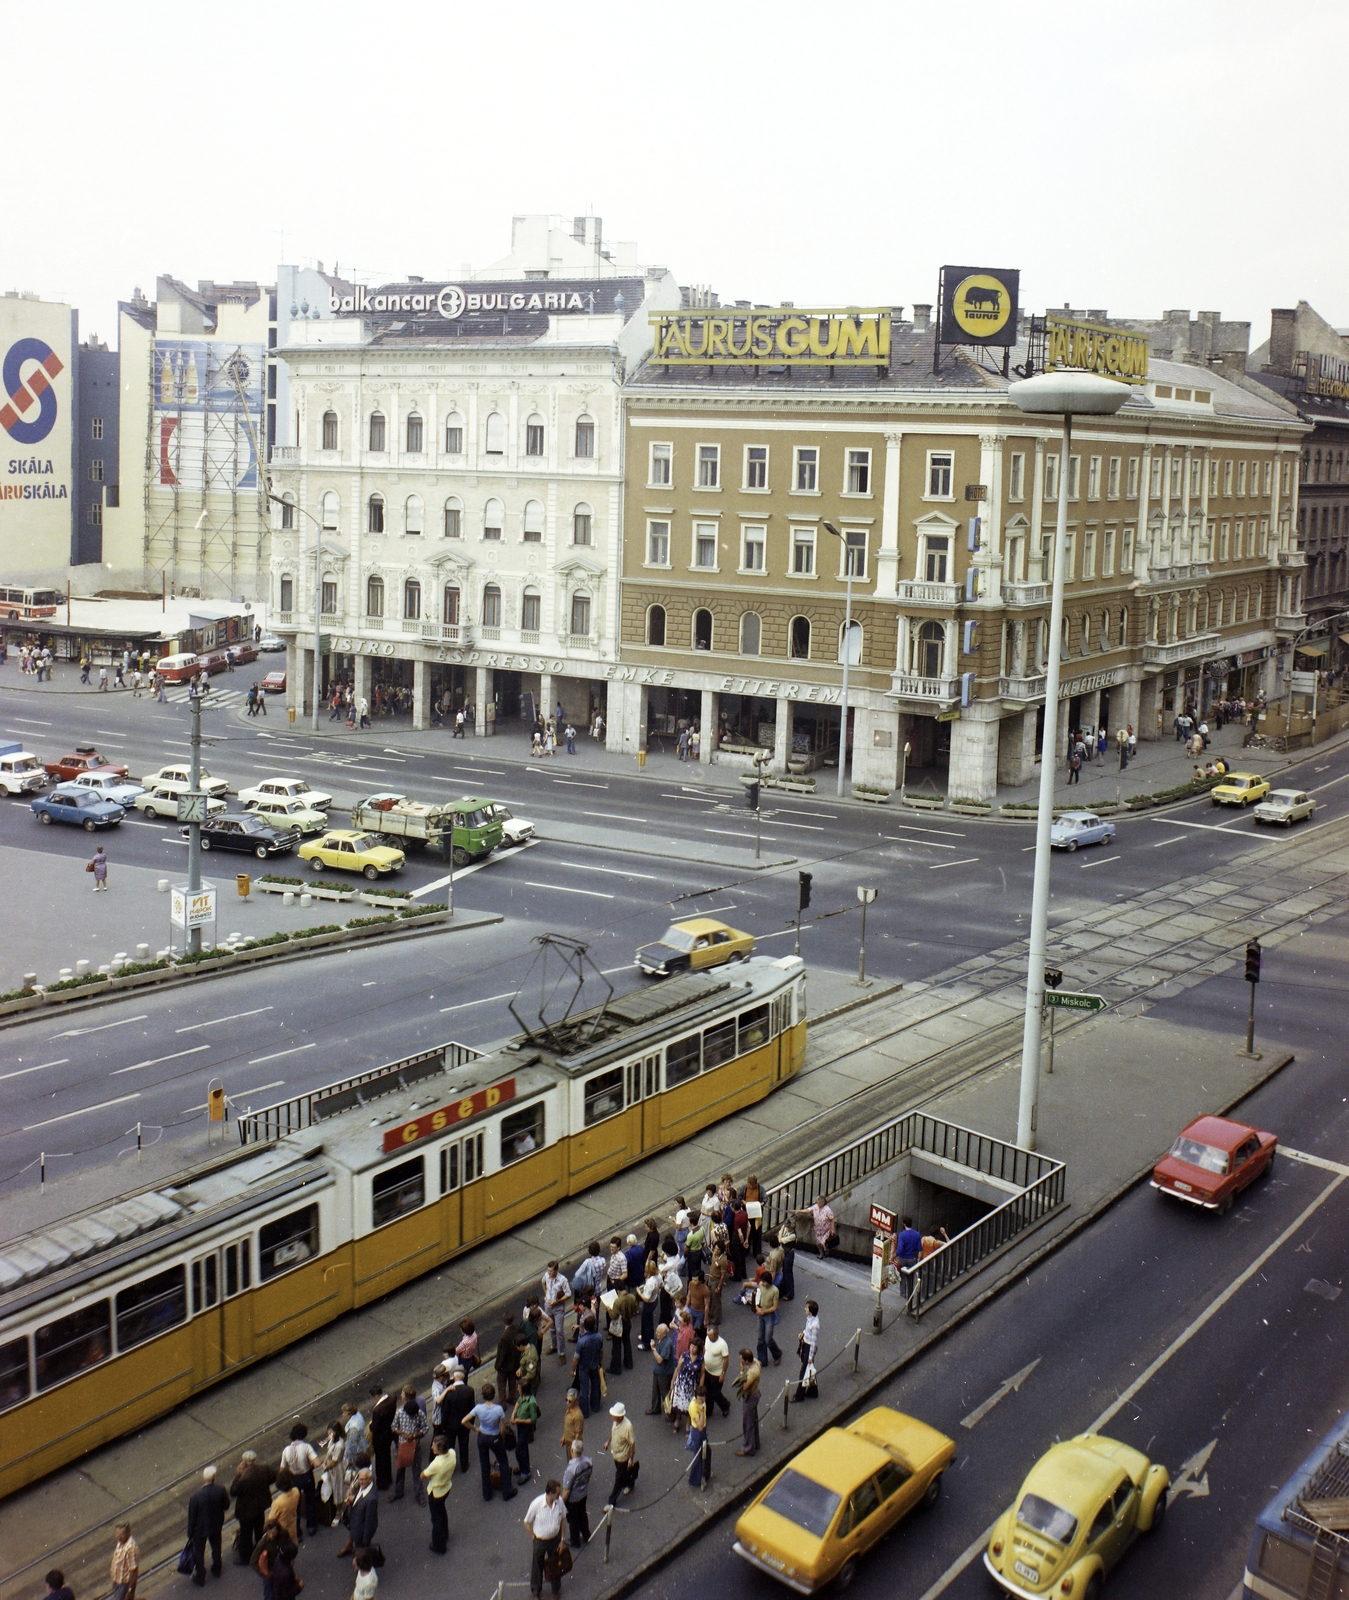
x,y
217,697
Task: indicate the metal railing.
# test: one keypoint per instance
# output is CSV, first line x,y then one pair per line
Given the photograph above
x,y
303,1110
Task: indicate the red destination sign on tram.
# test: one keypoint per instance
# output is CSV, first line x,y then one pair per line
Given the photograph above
x,y
457,1111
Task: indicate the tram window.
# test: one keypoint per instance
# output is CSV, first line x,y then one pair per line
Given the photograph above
x,y
683,1060
603,1096
237,1268
287,1242
719,1044
397,1190
522,1132
14,1385
473,1159
449,1168
72,1343
753,1028
155,1305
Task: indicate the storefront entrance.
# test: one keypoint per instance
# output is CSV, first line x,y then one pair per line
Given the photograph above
x,y
746,720
814,737
668,713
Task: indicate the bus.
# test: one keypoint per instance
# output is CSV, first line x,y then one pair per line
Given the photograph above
x,y
18,605
1301,1541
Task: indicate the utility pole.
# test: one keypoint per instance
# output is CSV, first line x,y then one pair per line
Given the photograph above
x,y
195,811
866,896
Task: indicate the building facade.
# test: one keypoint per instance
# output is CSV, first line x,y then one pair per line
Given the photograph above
x,y
752,492
97,452
460,447
39,345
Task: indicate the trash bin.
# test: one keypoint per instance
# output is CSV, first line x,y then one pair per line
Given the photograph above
x,y
290,714
245,883
641,758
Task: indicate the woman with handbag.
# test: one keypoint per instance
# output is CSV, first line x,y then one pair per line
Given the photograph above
x,y
409,1429
333,1474
551,1556
808,1348
284,1510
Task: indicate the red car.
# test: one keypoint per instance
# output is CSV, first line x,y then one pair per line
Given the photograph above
x,y
213,661
241,654
1212,1161
85,759
274,683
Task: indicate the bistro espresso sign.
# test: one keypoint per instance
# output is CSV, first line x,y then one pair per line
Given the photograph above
x,y
775,338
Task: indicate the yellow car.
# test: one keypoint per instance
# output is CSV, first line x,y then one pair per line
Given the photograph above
x,y
350,851
1240,789
1077,1513
693,945
840,1496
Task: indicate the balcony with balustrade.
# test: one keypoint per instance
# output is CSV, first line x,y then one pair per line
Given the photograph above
x,y
1022,689
930,693
911,592
1025,594
1166,655
1178,572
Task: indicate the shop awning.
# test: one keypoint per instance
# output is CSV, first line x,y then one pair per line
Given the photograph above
x,y
1344,638
1312,647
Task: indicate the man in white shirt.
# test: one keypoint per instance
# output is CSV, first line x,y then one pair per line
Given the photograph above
x,y
545,1519
556,1293
716,1358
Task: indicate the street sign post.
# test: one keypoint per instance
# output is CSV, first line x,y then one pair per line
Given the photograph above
x,y
1065,1000
882,1221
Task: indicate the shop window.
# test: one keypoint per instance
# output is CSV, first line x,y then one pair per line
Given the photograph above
x,y
413,515
397,1190
655,625
529,611
702,629
330,430
496,434
658,544
756,466
377,430
859,472
709,466
454,519
414,434
803,552
286,593
799,639
533,523
328,597
412,600
603,1096
493,520
581,521
580,616
750,631
454,437
72,1343
288,1242
522,1133
449,606
287,512
534,436
374,522
329,511
661,466
806,476
491,606
14,1384
374,597
585,437
151,1307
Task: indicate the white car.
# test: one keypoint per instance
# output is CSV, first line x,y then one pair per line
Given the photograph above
x,y
162,801
269,644
205,782
1076,828
110,785
514,830
286,789
283,813
1286,806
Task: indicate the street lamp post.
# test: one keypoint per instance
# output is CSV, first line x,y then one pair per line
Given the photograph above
x,y
318,602
847,649
1064,394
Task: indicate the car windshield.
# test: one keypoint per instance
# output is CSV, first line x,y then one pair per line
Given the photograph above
x,y
678,939
1279,800
367,841
1205,1156
801,1500
1043,1516
502,814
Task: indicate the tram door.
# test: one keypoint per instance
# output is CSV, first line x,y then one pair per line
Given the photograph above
x,y
644,1089
222,1310
236,1277
461,1209
208,1344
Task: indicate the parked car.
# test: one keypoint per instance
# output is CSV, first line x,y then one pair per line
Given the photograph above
x,y
111,785
349,851
1212,1161
213,661
180,774
514,830
162,801
20,770
1082,1505
1076,828
840,1496
80,806
269,644
693,946
176,669
285,813
247,832
84,759
286,789
1239,789
274,683
1286,806
241,654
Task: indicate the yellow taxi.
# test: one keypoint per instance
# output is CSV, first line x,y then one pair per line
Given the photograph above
x,y
347,850
1081,1507
1240,789
840,1496
693,945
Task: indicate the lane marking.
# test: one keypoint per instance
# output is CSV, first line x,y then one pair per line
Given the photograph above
x,y
485,1001
1175,840
234,1016
1099,863
703,799
35,722
110,733
937,866
912,827
613,816
1025,848
829,816
814,827
24,1071
562,888
260,1089
1208,827
578,783
158,1060
257,1061
479,772
1328,784
79,1033
132,822
1007,1386
82,1112
613,872
734,833
1314,1161
927,844
609,971
781,934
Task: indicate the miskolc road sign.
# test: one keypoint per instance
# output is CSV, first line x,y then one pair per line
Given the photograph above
x,y
1067,1001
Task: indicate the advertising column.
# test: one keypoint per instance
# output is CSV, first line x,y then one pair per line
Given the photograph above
x,y
36,410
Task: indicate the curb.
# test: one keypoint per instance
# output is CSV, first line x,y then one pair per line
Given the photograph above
x,y
854,1005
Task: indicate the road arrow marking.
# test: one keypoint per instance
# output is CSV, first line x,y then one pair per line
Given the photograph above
x,y
1000,1393
1188,1480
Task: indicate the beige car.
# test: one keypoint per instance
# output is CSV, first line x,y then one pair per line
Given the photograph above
x,y
1286,806
286,812
162,801
180,774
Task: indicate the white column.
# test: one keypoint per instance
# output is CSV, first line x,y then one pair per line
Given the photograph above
x,y
482,692
989,556
948,654
887,558
421,694
782,735
708,726
545,706
973,773
902,646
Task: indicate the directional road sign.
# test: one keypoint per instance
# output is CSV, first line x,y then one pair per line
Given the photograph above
x,y
1067,1001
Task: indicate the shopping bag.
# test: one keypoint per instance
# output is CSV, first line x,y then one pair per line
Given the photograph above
x,y
187,1560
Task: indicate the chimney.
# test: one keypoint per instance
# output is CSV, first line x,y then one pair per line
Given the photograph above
x,y
922,318
1230,363
1282,340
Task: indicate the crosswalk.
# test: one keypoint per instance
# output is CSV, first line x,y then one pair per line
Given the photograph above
x,y
226,698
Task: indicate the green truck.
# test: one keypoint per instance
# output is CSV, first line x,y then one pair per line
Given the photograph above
x,y
400,821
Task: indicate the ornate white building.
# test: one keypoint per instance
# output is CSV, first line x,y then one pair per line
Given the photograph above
x,y
461,448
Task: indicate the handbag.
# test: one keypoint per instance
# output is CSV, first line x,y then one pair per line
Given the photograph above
x,y
508,1437
604,1385
558,1563
407,1453
89,867
376,1552
187,1560
667,1404
634,1467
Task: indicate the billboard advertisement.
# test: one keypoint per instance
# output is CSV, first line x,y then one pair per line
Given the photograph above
x,y
36,418
978,306
208,413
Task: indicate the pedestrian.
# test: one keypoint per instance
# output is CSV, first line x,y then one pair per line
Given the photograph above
x,y
766,1310
908,1245
99,867
284,1510
754,1210
747,1386
121,681
739,1241
299,1459
356,1436
575,1489
571,740
367,1579
85,664
362,712
205,1519
688,1376
382,1412
363,1518
700,1470
527,1356
1132,745
57,1587
556,1293
332,1475
622,1446
525,1417
160,690
103,680
597,729
1074,767
439,1480
698,1300
716,1359
787,1244
409,1429
136,684
550,742
1100,746
545,1519
126,1564
459,723
507,1359
487,1420
682,745
560,716
252,1494
589,1358
808,1349
693,1247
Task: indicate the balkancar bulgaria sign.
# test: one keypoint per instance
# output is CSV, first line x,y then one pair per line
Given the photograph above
x,y
774,338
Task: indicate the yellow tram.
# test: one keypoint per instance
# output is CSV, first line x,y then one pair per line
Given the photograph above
x,y
111,1317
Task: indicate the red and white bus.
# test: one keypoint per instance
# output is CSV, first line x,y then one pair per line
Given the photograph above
x,y
16,605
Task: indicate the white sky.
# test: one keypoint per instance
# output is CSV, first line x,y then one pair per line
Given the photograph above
x,y
1130,156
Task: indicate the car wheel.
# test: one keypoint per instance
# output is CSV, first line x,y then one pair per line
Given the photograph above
x,y
933,1491
1072,846
45,817
1158,1512
460,857
315,865
846,1573
205,842
372,873
261,852
1093,1589
1225,1206
89,824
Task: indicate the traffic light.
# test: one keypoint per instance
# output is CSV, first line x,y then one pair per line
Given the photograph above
x,y
1053,977
803,890
752,795
1253,961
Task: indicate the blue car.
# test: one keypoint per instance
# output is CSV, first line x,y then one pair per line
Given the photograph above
x,y
84,807
1074,828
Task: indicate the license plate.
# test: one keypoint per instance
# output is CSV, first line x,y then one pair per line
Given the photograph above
x,y
1023,1571
1184,1187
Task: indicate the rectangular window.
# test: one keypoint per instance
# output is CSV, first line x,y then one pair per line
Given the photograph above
x,y
683,1060
719,1044
529,613
658,544
580,527
522,1133
288,1242
580,616
1131,490
603,1096
705,544
1112,479
854,552
1094,478
414,434
72,1343
376,431
1074,476
1089,553
935,558
238,1265
1196,477
940,466
662,465
709,466
534,439
1264,536
1212,477
449,1167
807,475
1016,478
449,605
330,430
454,441
96,428
1177,481
756,466
1267,478
453,526
96,514
1241,479
754,549
1108,553
14,1384
1283,479
152,1306
1227,477
1051,477
287,594
754,1029
1224,539
1070,540
803,552
1126,551
96,471
328,601
1156,485
397,1190
859,472
585,437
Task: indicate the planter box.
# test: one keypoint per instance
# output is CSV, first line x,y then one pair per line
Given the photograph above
x,y
923,803
969,808
304,888
372,897
871,799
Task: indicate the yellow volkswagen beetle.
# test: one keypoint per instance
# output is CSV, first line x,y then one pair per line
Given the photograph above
x,y
1080,1508
839,1497
693,945
351,851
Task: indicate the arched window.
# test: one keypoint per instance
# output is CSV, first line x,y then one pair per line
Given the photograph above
x,y
581,523
534,436
533,521
799,639
580,616
454,518
750,634
328,595
931,645
493,519
655,625
412,600
449,609
413,514
1316,467
287,510
585,436
852,642
330,430
1105,630
454,434
702,629
491,606
329,511
374,520
377,430
1084,643
374,597
286,592
414,434
530,607
496,434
